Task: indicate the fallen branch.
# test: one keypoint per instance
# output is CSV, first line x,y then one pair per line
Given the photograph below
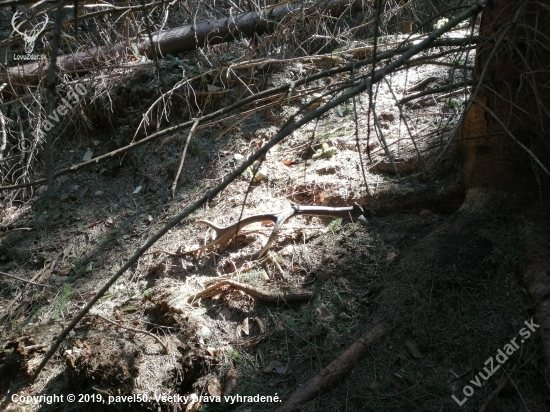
x,y
333,374
304,295
182,160
25,280
112,322
225,234
187,37
438,90
15,230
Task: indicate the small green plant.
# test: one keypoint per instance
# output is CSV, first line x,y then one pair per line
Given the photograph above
x,y
461,62
308,314
335,224
62,301
174,61
148,294
130,309
325,151
341,326
194,148
454,104
344,110
235,355
290,323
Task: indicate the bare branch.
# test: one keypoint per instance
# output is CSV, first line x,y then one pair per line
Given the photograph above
x,y
25,280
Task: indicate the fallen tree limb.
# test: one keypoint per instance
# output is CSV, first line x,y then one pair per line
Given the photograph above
x,y
225,234
301,296
438,90
25,280
187,37
334,373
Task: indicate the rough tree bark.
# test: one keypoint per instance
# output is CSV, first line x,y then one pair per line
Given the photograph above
x,y
502,176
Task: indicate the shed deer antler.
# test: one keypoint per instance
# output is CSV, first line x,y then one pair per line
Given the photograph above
x,y
225,234
30,37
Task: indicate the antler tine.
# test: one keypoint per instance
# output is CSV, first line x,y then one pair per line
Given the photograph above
x,y
16,26
213,226
45,24
35,32
225,234
281,217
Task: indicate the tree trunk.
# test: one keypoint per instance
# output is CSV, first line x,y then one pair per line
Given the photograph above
x,y
502,177
519,99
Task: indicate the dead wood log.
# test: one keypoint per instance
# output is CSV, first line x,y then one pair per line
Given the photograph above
x,y
225,234
333,374
185,38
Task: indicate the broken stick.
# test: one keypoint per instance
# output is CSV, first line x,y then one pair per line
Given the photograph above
x,y
333,374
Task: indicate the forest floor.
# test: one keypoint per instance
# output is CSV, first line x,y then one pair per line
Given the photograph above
x,y
452,301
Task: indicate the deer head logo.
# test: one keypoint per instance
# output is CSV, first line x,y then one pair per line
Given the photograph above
x,y
29,36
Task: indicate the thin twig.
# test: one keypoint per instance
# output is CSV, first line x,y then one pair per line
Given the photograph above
x,y
3,135
273,259
437,90
495,392
25,280
174,185
404,119
252,265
